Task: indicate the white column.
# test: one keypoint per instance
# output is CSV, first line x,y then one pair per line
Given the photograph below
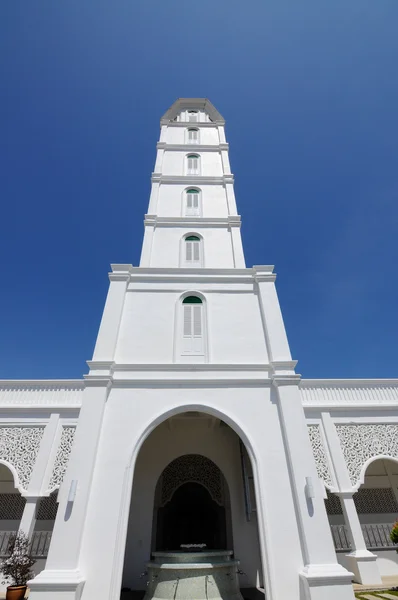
x,y
237,246
274,328
145,260
62,579
362,562
153,198
39,478
221,134
225,162
231,202
109,328
163,132
321,574
159,161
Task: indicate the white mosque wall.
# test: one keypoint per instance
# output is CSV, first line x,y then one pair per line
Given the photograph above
x,y
175,163
131,412
171,199
151,327
168,247
178,135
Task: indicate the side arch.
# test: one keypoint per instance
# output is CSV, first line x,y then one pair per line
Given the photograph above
x,y
362,475
14,473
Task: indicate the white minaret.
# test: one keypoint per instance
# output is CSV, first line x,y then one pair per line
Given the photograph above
x,y
192,221
191,332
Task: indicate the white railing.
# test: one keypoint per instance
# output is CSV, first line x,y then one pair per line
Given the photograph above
x,y
41,393
376,535
38,548
349,392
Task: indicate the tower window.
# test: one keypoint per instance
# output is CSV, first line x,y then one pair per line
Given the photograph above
x,y
193,253
193,338
192,200
193,136
193,164
193,116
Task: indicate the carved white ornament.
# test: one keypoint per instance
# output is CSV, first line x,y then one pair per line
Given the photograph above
x,y
359,443
192,468
62,457
319,452
19,446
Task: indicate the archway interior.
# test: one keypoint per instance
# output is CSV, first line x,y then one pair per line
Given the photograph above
x,y
191,505
192,448
191,517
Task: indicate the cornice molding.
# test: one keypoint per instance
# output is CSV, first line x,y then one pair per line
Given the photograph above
x,y
196,124
228,222
120,272
193,275
283,380
191,367
191,383
192,147
191,179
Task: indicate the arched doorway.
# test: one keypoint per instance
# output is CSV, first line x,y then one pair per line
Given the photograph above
x,y
192,448
191,505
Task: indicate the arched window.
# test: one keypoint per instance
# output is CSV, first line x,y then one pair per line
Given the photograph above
x,y
193,116
193,253
192,164
192,202
193,136
193,334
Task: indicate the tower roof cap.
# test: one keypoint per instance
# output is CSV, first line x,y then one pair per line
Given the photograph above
x,y
192,104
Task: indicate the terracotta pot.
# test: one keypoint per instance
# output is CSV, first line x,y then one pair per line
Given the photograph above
x,y
16,592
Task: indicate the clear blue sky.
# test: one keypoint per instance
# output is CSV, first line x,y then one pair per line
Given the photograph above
x,y
309,90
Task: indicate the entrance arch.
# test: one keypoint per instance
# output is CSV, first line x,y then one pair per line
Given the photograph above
x,y
191,432
192,505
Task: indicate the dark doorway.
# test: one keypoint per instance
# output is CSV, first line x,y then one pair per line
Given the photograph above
x,y
191,517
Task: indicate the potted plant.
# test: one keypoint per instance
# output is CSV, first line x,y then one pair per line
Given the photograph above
x,y
17,568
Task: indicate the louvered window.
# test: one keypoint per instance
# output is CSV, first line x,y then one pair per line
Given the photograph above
x,y
193,326
193,116
193,136
193,164
192,203
192,251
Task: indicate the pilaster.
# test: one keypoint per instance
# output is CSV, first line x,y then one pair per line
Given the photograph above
x,y
62,578
109,328
321,573
40,474
361,561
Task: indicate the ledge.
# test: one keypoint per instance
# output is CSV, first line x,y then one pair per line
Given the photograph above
x,y
192,147
198,222
192,179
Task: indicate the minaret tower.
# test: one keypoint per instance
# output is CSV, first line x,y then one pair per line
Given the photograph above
x,y
191,334
192,221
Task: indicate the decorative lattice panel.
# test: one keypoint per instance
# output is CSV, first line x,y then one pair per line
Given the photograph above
x,y
192,468
375,500
62,457
367,501
359,443
333,505
47,508
11,507
19,446
319,452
